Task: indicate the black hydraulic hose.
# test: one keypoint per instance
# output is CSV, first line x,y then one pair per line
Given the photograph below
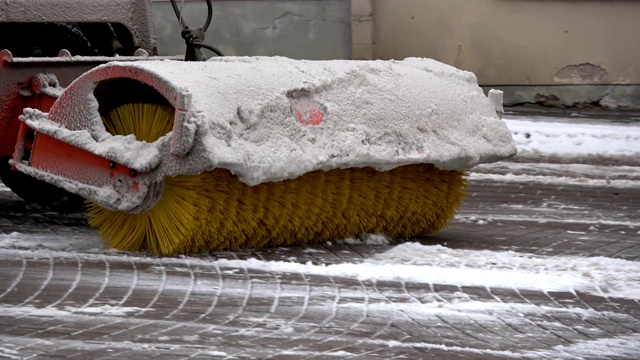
x,y
184,25
194,37
209,16
177,12
212,48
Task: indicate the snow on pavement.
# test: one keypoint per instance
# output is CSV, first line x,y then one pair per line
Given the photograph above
x,y
574,143
571,138
416,263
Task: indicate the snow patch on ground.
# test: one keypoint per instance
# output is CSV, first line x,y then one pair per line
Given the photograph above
x,y
214,353
541,218
464,349
106,310
555,180
562,170
571,143
388,271
417,263
574,139
595,275
367,239
308,354
75,241
479,311
618,347
9,354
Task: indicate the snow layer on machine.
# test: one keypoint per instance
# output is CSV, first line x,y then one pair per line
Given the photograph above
x,y
272,118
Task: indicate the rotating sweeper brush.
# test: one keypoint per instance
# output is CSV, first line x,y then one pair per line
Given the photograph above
x,y
247,152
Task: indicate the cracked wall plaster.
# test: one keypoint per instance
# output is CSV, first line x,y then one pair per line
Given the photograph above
x,y
581,74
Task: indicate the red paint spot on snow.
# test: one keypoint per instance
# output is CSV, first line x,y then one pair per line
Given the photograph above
x,y
308,113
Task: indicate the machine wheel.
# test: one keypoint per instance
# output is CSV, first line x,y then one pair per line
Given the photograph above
x,y
35,191
47,39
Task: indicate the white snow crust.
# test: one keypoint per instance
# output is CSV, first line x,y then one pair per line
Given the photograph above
x,y
240,114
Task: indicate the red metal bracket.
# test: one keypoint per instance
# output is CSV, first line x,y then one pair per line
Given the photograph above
x,y
67,161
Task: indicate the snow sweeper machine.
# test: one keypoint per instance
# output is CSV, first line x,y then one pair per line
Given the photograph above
x,y
189,155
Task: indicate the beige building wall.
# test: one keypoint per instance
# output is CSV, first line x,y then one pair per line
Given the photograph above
x,y
362,29
507,42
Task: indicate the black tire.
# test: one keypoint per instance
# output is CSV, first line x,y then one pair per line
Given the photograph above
x,y
47,39
39,192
